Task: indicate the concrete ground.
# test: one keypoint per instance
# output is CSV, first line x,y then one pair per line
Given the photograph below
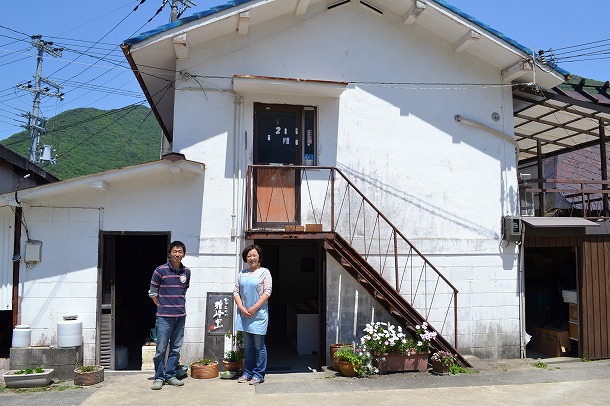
x,y
496,382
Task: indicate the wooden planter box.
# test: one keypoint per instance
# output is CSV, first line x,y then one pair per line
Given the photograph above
x,y
27,380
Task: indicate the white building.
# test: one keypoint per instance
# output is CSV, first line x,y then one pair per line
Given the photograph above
x,y
370,88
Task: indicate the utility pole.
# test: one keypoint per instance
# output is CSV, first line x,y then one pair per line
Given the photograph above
x,y
174,13
36,124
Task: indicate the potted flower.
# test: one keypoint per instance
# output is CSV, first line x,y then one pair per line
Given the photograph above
x,y
204,368
234,358
394,350
85,375
350,360
441,361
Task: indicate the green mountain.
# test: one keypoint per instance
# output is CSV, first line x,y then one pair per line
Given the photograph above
x,y
88,140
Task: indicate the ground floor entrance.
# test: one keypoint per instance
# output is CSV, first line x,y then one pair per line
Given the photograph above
x,y
567,286
296,307
551,305
126,314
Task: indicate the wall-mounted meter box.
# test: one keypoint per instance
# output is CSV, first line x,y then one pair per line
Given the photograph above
x,y
512,228
33,251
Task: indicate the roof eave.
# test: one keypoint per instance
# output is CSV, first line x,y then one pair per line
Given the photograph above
x,y
97,180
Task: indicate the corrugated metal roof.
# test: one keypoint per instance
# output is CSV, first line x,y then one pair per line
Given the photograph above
x,y
181,21
233,3
560,120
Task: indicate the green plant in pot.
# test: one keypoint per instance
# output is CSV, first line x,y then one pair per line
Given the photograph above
x,y
204,368
234,358
85,375
351,360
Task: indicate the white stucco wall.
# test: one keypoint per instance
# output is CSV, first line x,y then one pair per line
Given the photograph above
x,y
65,281
68,224
445,184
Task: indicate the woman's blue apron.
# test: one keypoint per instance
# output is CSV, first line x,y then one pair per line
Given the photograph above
x,y
248,291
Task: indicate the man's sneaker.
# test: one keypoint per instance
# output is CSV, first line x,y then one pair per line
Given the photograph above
x,y
256,381
157,384
175,381
243,379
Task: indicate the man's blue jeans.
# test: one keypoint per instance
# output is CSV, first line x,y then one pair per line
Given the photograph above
x,y
255,351
170,333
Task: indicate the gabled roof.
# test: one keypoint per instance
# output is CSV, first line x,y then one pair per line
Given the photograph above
x,y
152,55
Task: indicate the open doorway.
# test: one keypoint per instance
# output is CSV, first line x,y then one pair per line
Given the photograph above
x,y
551,305
295,307
127,314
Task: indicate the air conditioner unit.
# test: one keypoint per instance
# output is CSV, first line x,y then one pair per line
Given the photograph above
x,y
512,228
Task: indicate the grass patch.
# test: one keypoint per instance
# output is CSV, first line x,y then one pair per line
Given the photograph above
x,y
455,369
58,386
540,364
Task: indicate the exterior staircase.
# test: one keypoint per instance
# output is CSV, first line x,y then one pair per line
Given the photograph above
x,y
382,291
360,238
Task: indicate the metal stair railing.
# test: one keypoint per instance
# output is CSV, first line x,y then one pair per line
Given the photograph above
x,y
326,197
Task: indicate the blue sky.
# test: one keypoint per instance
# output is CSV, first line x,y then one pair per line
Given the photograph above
x,y
91,31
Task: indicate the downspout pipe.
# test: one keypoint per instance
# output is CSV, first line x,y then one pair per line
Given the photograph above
x,y
237,113
17,254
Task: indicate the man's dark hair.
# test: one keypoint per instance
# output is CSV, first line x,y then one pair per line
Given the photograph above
x,y
244,253
177,244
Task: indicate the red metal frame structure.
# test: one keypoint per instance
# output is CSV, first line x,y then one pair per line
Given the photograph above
x,y
330,200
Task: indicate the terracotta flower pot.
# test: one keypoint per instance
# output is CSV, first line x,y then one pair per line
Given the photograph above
x,y
204,371
438,368
333,349
346,368
236,366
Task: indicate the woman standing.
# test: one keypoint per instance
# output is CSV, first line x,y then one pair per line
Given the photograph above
x,y
251,293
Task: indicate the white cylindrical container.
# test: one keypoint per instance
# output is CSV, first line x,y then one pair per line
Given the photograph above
x,y
69,332
121,357
22,336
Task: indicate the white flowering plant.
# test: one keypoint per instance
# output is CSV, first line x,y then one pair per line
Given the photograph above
x,y
423,337
385,338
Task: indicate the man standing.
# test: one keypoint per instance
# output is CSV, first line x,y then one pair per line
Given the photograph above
x,y
168,290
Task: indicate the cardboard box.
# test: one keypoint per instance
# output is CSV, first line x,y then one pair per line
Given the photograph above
x,y
573,312
148,353
573,328
550,341
294,228
313,227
